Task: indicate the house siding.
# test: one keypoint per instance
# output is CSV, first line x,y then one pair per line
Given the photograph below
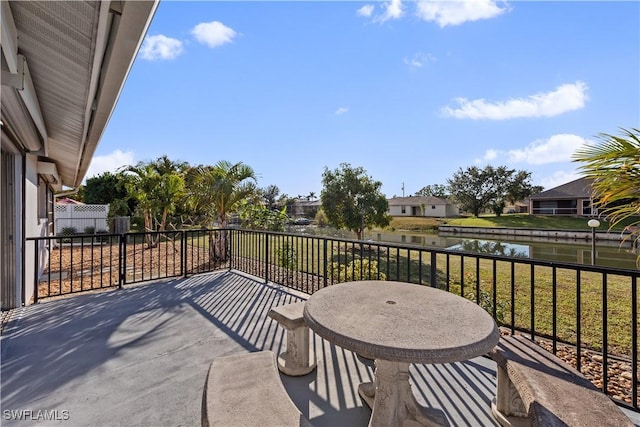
x,y
414,208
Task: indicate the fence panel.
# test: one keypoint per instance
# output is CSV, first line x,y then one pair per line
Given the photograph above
x,y
81,218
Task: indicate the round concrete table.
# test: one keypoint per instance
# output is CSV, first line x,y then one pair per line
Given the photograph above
x,y
398,324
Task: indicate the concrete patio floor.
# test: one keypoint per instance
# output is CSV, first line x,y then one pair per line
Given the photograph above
x,y
139,357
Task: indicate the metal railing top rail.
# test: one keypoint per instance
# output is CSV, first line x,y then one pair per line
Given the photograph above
x,y
404,246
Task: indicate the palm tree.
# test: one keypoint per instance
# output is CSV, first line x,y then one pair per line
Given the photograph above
x,y
219,189
614,165
157,189
140,187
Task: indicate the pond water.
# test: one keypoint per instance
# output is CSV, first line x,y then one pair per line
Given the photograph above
x,y
608,253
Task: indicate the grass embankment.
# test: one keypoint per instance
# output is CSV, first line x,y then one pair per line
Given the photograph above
x,y
507,220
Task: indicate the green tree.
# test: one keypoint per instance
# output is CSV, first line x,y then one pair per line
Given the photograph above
x,y
286,202
158,189
109,188
353,200
614,166
218,191
476,189
435,190
255,216
270,195
472,189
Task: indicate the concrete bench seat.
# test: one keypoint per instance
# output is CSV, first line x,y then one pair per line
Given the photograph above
x,y
537,388
298,359
246,390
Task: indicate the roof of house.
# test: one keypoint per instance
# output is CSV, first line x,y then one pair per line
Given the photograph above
x,y
68,201
577,189
308,203
417,201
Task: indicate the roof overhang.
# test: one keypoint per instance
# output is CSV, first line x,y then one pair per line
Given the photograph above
x,y
64,65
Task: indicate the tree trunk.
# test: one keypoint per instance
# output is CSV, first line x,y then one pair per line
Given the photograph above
x,y
219,246
148,227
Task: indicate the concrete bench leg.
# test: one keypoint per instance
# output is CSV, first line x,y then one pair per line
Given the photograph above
x,y
508,408
298,359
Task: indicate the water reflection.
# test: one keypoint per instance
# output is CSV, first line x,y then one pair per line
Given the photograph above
x,y
492,248
608,253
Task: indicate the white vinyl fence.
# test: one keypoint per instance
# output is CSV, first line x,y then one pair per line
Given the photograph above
x,y
81,218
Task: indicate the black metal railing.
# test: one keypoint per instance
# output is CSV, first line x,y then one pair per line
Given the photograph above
x,y
587,314
79,263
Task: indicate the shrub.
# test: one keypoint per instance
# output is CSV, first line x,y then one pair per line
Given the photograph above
x,y
485,300
358,269
321,218
287,256
90,229
68,231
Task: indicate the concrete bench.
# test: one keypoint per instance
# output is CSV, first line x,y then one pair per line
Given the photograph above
x,y
298,359
537,388
246,390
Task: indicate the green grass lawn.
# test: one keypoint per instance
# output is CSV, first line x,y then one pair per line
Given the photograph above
x,y
534,290
506,220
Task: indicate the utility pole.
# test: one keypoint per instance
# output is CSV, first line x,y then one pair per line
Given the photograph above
x,y
403,189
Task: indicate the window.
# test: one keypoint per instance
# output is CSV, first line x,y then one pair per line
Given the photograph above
x,y
433,206
42,197
403,209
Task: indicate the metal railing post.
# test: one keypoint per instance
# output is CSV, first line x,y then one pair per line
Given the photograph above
x,y
266,258
35,272
183,253
324,262
122,259
230,242
433,270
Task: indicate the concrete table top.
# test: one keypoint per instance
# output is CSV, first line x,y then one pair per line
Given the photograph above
x,y
401,322
397,324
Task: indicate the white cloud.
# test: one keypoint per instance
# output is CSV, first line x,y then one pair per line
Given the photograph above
x,y
419,59
160,47
568,97
342,110
558,178
213,34
109,162
556,149
365,11
488,156
456,12
393,10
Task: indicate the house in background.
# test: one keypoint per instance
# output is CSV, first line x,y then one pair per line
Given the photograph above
x,y
305,208
572,198
64,64
428,206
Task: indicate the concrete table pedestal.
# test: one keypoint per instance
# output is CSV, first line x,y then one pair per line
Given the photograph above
x,y
391,399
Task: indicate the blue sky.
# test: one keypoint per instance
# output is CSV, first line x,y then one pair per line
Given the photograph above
x,y
410,91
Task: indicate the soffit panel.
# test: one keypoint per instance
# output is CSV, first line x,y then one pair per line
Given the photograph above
x,y
57,38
